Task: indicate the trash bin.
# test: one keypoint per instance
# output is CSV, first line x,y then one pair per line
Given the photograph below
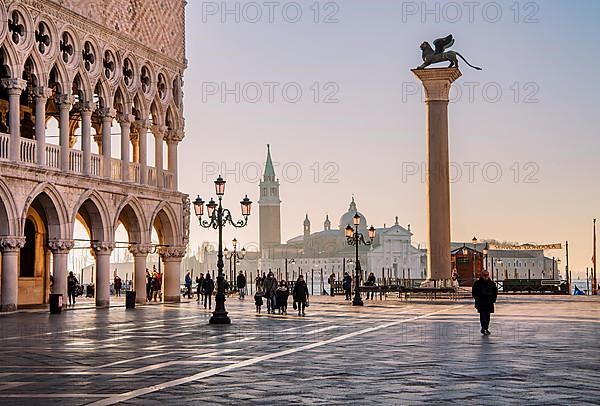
x,y
56,303
130,299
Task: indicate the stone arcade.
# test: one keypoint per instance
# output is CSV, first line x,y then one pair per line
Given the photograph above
x,y
97,68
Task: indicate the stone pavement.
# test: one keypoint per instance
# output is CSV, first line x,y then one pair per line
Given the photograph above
x,y
543,350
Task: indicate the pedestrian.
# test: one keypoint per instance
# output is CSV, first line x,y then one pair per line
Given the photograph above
x,y
371,281
347,285
148,285
188,285
241,285
485,293
270,288
258,299
118,284
331,282
72,283
199,280
156,286
258,282
300,295
208,286
282,294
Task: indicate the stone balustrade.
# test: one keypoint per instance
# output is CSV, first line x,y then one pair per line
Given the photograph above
x,y
28,156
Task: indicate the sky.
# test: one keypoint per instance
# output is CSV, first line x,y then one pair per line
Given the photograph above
x,y
330,89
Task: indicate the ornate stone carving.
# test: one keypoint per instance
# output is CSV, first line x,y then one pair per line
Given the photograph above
x,y
65,100
11,244
140,125
139,250
186,219
107,113
14,86
42,93
103,247
60,246
172,252
126,119
86,106
159,130
175,136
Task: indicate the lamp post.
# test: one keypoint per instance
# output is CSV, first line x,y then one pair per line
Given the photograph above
x,y
353,237
234,257
486,250
218,217
292,262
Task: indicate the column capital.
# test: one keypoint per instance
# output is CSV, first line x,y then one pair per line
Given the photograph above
x,y
42,93
14,86
11,244
140,250
103,247
141,124
64,100
159,130
107,114
61,246
86,106
175,136
437,82
125,118
172,253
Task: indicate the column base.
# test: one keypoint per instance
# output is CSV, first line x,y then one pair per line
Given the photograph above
x,y
102,303
172,299
357,301
219,318
8,308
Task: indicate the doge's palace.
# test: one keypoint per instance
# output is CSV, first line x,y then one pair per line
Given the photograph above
x,y
109,72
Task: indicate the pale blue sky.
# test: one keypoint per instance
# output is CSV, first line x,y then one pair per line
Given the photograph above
x,y
375,130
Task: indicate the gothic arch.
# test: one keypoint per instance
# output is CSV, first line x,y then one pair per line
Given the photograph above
x,y
38,68
140,107
53,207
131,214
157,112
83,86
10,60
102,89
8,211
58,75
164,220
94,214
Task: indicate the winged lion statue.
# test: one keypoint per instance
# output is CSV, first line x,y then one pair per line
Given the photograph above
x,y
431,56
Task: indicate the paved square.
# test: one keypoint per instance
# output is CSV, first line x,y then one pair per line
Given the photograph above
x,y
543,350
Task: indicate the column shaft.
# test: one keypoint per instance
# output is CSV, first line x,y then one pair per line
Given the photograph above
x,y
172,280
86,137
125,121
102,251
140,278
9,281
172,151
42,95
143,150
64,103
14,88
60,262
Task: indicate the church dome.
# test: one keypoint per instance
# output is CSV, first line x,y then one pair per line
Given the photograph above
x,y
347,217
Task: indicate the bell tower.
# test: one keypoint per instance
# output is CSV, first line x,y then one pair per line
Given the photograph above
x,y
269,209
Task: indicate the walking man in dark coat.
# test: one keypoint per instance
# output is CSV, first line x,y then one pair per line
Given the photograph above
x,y
485,293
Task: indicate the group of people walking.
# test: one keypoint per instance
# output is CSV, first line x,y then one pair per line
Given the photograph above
x,y
153,285
277,294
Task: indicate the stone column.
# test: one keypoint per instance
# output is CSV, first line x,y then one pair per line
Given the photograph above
x,y
172,144
108,116
10,247
64,102
436,83
86,138
60,255
41,97
159,134
102,251
140,255
125,122
142,128
172,257
14,87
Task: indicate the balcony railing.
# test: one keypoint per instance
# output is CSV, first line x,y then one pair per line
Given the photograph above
x,y
76,161
27,151
28,155
134,172
53,156
96,165
4,145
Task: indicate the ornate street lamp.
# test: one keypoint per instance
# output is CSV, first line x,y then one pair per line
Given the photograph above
x,y
486,250
353,237
234,257
218,217
292,262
